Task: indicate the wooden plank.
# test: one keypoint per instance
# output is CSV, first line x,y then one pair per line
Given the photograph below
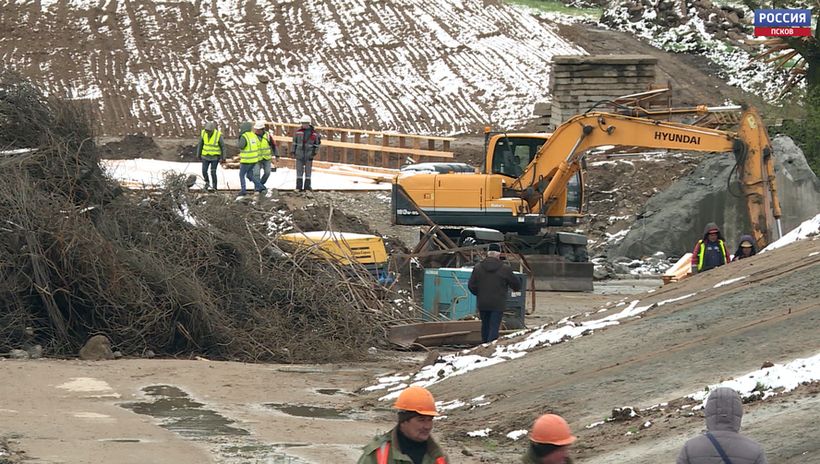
x,y
357,142
371,152
407,334
385,143
416,148
345,153
358,146
425,338
286,161
356,131
679,271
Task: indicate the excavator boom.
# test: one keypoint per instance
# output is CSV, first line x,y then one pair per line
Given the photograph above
x,y
534,181
546,177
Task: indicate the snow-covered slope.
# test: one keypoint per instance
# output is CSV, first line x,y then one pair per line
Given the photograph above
x,y
161,68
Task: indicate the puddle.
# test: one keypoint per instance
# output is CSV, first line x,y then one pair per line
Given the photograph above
x,y
180,414
228,444
315,412
328,391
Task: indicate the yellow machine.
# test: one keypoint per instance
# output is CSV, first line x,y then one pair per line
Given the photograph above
x,y
533,181
344,248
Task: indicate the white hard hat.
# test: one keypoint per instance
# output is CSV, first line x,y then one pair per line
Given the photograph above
x,y
259,124
305,119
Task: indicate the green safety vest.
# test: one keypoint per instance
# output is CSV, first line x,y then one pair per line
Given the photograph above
x,y
265,151
249,154
210,146
702,252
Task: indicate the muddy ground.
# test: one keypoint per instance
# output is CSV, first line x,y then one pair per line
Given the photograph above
x,y
673,350
75,411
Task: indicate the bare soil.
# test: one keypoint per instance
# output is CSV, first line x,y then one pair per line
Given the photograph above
x,y
672,350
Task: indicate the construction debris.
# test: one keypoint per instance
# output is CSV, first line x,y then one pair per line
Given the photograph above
x,y
165,271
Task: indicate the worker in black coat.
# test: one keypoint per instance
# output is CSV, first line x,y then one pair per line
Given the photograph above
x,y
489,282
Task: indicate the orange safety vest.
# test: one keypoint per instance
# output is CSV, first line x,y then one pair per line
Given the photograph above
x,y
384,450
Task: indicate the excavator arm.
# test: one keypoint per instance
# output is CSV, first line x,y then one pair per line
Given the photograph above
x,y
546,177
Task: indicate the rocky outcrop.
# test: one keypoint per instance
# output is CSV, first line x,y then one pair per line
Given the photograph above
x,y
673,220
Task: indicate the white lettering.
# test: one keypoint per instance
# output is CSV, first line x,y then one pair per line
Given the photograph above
x,y
783,18
406,212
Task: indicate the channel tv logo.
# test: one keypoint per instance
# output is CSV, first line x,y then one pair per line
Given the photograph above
x,y
782,23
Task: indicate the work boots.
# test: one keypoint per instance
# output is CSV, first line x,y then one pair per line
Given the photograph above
x,y
307,184
299,185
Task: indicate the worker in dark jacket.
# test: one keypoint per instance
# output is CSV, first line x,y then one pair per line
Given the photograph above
x,y
723,411
710,251
305,146
745,248
489,282
410,441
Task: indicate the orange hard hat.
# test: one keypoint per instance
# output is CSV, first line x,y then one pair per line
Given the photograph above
x,y
551,429
416,399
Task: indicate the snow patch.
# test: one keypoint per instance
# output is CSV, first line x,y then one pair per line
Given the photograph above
x,y
730,281
769,381
809,228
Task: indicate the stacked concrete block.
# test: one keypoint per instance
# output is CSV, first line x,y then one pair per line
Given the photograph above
x,y
579,82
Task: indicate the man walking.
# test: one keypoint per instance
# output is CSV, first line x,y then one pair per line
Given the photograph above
x,y
489,282
410,440
267,150
210,150
722,443
305,147
248,144
710,251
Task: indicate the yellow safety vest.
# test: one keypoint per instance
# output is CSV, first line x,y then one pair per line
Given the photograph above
x,y
249,154
265,151
703,252
210,146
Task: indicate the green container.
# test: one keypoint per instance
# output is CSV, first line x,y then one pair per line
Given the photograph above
x,y
446,297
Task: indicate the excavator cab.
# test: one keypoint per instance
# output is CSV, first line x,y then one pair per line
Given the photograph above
x,y
510,155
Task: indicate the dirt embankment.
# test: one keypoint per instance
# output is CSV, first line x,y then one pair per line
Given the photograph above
x,y
698,334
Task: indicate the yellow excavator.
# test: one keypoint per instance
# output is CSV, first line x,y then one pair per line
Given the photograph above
x,y
530,183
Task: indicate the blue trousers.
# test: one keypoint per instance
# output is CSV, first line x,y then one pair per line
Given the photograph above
x,y
250,172
209,165
490,324
265,168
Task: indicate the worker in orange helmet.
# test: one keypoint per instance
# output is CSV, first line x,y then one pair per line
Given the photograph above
x,y
550,438
409,441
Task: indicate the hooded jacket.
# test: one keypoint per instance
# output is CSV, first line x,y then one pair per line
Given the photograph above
x,y
489,282
723,411
739,251
708,255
